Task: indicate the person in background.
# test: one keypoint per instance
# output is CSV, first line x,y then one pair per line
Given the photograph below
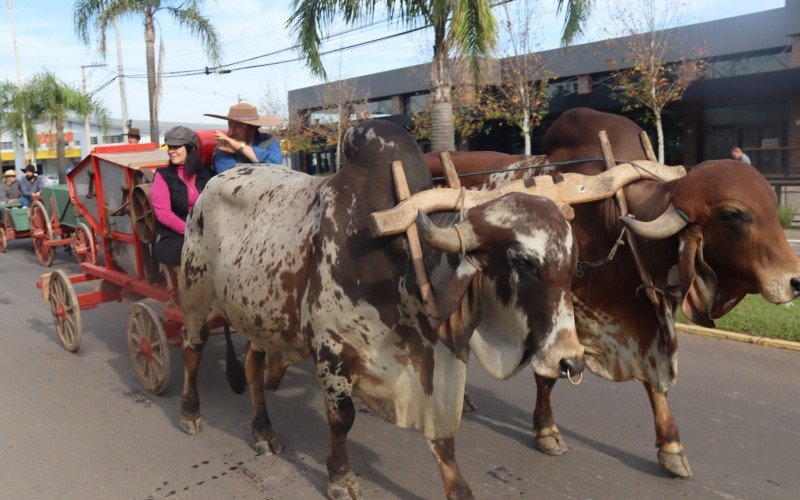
x,y
738,154
243,143
134,136
30,185
10,194
176,188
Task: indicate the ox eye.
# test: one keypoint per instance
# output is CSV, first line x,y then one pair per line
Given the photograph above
x,y
527,267
736,221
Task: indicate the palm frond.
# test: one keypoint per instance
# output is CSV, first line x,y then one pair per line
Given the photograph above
x,y
575,16
200,26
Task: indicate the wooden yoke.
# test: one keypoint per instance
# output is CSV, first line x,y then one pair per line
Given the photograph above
x,y
414,245
622,205
569,188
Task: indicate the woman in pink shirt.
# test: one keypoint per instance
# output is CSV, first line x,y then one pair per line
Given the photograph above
x,y
176,188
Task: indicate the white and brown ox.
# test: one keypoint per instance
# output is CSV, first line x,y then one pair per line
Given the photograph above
x,y
288,260
718,239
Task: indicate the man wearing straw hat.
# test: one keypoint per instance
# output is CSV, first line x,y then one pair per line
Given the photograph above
x,y
243,143
10,193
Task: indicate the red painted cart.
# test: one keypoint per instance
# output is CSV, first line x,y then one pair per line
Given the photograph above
x,y
110,190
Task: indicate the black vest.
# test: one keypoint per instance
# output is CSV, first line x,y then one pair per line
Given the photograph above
x,y
179,195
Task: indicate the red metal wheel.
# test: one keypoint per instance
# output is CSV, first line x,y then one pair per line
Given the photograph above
x,y
65,309
148,347
83,248
41,232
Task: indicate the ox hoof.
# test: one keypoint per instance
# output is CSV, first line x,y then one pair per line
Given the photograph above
x,y
551,444
346,487
675,463
269,446
190,426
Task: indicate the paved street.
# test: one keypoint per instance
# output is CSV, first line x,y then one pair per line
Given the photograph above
x,y
79,425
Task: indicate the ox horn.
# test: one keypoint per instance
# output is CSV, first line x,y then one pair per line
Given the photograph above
x,y
664,226
453,239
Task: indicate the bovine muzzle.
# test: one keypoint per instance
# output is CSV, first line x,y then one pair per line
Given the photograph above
x,y
795,282
571,367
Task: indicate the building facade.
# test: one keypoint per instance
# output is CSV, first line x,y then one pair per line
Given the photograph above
x,y
749,96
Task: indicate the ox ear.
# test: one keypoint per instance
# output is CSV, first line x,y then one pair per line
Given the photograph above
x,y
698,281
459,307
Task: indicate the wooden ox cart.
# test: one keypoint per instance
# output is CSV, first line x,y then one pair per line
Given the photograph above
x,y
110,190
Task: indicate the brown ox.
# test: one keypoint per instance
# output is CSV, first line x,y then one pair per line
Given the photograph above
x,y
288,260
723,242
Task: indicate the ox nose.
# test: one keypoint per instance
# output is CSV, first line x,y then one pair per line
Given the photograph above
x,y
571,367
795,282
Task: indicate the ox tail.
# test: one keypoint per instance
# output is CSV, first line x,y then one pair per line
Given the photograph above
x,y
234,370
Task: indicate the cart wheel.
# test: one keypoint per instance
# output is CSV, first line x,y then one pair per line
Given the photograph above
x,y
41,231
66,310
148,347
83,248
144,220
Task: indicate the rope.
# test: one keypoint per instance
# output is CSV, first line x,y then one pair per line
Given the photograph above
x,y
583,266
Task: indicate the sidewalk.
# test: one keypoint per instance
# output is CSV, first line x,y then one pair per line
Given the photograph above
x,y
792,234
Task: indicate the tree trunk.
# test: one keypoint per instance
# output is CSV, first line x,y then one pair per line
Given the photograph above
x,y
61,151
660,137
442,129
526,133
150,39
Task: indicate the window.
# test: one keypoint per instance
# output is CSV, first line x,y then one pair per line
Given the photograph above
x,y
415,103
6,145
565,87
322,116
109,139
93,140
748,65
379,108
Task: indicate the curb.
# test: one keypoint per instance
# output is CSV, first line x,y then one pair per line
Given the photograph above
x,y
738,337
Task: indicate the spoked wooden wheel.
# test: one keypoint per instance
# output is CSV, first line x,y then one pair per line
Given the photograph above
x,y
66,310
148,347
41,232
144,220
83,248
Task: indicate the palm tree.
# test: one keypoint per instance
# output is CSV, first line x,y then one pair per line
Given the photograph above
x,y
52,100
100,14
466,27
14,114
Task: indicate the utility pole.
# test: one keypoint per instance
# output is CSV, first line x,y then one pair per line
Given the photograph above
x,y
120,72
19,165
86,143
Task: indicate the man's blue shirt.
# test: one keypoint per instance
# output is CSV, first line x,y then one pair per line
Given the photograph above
x,y
271,154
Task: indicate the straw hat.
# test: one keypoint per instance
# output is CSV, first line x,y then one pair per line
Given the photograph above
x,y
248,114
134,132
10,173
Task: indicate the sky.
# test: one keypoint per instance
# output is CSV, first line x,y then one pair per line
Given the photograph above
x,y
247,28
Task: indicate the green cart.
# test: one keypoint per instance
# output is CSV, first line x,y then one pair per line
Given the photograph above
x,y
51,221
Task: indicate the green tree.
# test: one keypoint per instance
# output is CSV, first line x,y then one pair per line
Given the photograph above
x,y
14,114
49,99
100,14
